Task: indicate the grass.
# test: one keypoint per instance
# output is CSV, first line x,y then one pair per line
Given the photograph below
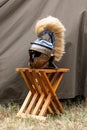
x,y
75,118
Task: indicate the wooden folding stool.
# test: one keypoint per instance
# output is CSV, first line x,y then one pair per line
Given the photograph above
x,y
42,84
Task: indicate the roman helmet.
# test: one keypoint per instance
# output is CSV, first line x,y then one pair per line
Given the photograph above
x,y
43,51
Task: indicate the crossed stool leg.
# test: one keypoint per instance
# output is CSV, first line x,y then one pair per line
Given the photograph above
x,y
42,98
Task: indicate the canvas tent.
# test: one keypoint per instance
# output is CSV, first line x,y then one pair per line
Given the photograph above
x,y
17,21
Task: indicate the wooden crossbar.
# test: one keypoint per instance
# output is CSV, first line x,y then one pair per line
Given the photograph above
x,y
42,97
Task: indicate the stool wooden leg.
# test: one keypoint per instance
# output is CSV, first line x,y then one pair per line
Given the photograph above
x,y
58,80
28,83
38,105
25,103
45,106
53,93
32,103
54,107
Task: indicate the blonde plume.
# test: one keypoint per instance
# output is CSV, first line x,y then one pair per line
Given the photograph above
x,y
54,25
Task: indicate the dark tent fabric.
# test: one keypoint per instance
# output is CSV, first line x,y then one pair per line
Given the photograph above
x,y
17,22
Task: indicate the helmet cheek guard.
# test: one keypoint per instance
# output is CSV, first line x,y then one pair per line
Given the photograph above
x,y
38,60
41,52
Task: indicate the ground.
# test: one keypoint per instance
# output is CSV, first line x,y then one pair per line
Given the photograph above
x,y
74,118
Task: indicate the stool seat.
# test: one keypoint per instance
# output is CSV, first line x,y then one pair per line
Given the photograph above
x,y
41,98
